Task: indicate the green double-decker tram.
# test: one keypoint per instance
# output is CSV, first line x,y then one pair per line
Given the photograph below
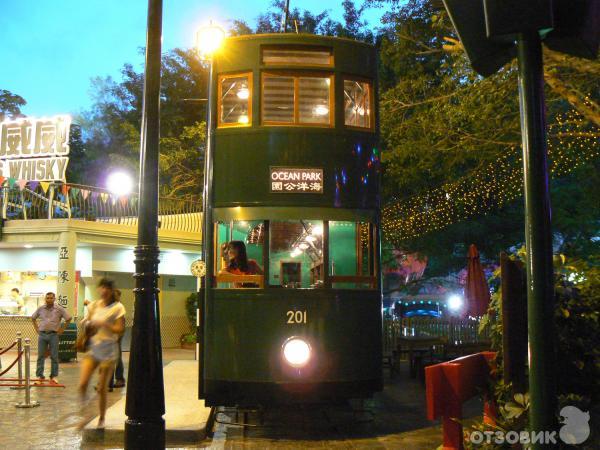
x,y
291,309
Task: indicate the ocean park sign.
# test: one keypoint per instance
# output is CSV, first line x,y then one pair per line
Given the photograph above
x,y
34,149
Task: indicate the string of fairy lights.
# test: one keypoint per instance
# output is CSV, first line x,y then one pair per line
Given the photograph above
x,y
572,143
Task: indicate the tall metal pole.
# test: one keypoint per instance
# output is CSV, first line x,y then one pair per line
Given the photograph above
x,y
538,236
207,209
145,406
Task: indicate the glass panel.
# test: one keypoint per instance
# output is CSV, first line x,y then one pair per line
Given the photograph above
x,y
296,254
314,100
235,100
278,99
232,240
296,56
357,103
349,255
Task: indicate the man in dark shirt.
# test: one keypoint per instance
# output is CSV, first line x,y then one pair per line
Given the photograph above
x,y
48,330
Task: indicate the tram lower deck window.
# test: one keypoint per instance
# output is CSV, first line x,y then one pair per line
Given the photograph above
x,y
298,254
351,257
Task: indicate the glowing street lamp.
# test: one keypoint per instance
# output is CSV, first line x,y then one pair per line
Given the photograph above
x,y
119,184
209,39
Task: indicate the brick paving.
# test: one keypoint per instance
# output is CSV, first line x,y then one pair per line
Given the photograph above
x,y
394,419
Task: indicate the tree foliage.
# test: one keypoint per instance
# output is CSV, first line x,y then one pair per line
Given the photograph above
x,y
442,123
10,105
112,126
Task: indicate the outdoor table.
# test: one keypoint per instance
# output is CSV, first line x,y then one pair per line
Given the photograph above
x,y
417,348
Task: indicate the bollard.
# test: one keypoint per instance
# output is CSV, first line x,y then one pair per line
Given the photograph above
x,y
20,363
28,403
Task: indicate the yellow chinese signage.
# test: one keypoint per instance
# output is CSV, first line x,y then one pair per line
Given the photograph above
x,y
35,149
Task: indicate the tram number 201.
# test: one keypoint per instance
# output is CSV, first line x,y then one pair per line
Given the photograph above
x,y
296,317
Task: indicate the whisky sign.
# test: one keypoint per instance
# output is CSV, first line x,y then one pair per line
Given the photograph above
x,y
35,149
292,180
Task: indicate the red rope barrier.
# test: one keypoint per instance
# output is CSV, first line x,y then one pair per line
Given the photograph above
x,y
3,351
13,363
52,385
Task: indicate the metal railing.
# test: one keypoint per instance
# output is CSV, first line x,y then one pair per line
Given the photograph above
x,y
454,330
72,201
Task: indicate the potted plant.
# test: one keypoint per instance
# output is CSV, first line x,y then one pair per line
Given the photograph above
x,y
188,340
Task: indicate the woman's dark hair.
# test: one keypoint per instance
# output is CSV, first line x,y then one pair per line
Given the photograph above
x,y
107,283
241,260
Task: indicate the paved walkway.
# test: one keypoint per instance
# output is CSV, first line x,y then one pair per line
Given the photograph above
x,y
394,419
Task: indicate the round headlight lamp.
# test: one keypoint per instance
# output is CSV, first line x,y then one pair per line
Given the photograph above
x,y
296,352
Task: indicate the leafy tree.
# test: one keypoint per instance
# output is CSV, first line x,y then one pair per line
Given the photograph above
x,y
10,105
112,126
441,123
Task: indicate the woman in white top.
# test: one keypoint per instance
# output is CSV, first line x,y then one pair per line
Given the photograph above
x,y
105,322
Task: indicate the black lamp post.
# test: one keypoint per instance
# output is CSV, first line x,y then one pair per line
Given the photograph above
x,y
145,426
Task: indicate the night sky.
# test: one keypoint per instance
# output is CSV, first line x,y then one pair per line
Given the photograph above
x,y
50,49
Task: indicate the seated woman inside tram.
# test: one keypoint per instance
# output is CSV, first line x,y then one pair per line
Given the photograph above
x,y
237,262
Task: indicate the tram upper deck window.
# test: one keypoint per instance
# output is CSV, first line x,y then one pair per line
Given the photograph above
x,y
235,100
297,55
357,104
239,257
351,256
289,99
296,254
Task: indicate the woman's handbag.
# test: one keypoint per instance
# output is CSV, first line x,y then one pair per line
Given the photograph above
x,y
82,343
83,339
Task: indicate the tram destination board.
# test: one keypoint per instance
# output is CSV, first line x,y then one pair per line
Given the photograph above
x,y
296,180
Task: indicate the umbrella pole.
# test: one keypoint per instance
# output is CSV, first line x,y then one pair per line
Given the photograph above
x,y
538,236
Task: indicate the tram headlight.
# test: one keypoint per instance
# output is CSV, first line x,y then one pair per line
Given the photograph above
x,y
296,352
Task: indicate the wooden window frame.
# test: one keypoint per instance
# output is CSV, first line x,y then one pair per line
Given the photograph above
x,y
293,47
296,77
220,80
369,83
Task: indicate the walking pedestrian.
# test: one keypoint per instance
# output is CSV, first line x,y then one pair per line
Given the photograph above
x,y
48,330
118,378
105,323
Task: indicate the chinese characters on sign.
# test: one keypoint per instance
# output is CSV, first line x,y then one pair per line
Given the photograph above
x,y
63,276
35,149
63,253
288,180
63,300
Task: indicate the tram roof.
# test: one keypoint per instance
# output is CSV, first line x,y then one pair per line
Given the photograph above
x,y
297,37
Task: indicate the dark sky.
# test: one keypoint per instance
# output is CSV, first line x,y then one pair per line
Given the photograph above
x,y
50,49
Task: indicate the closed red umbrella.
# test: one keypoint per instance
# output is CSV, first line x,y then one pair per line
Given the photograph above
x,y
477,291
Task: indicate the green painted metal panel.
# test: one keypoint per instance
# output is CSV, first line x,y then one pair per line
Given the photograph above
x,y
248,329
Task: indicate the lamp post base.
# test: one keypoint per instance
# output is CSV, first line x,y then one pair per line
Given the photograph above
x,y
144,434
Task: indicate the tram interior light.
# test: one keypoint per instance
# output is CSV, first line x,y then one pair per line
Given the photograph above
x,y
296,352
310,239
317,230
303,246
243,93
119,183
455,302
243,119
321,110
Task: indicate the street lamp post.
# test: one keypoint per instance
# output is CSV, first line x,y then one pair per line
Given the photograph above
x,y
208,41
145,406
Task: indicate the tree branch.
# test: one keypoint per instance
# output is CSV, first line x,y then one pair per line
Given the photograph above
x,y
589,109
